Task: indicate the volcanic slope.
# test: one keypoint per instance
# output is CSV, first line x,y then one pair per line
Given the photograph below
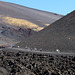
x,y
11,13
59,35
16,19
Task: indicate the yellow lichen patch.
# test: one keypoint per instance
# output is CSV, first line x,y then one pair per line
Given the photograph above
x,y
47,24
22,23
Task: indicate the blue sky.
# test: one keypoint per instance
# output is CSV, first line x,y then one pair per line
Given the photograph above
x,y
57,6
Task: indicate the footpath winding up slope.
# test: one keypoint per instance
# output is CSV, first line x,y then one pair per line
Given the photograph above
x,y
59,35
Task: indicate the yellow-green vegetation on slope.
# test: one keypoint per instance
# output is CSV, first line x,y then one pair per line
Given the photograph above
x,y
43,23
21,23
47,24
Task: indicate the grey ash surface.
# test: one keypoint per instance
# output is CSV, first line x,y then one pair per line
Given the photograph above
x,y
59,35
22,63
29,14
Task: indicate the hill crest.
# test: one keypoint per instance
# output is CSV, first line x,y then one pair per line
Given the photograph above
x,y
59,35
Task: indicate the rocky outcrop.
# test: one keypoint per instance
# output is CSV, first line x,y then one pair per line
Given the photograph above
x,y
17,33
